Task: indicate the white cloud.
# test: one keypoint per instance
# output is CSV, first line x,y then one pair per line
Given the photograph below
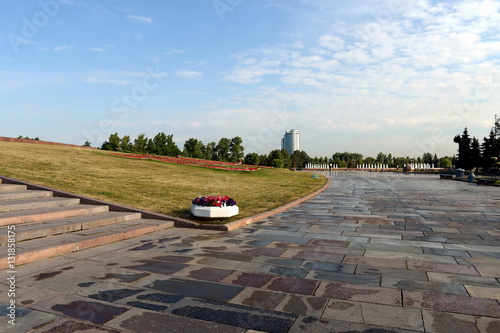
x,y
62,47
121,77
331,42
94,79
188,74
173,51
142,19
416,69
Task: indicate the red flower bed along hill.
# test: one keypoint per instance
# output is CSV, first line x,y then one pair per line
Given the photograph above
x,y
194,162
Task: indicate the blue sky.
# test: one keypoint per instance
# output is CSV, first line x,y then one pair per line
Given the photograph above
x,y
400,76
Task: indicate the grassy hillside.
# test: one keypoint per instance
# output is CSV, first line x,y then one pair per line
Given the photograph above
x,y
151,185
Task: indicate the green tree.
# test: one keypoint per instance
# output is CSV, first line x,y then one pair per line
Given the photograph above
x,y
236,149
252,159
223,149
140,144
277,163
171,148
381,158
370,160
86,144
286,158
151,147
347,160
263,159
427,158
193,148
445,162
299,159
125,143
435,160
390,161
113,142
160,143
274,155
211,151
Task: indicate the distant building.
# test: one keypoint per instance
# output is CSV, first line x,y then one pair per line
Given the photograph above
x,y
291,141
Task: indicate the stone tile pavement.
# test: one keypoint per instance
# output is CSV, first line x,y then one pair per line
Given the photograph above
x,y
375,252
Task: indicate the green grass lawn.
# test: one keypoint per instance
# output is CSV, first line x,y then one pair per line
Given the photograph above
x,y
150,185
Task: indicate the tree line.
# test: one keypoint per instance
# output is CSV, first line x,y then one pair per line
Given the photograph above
x,y
226,150
351,160
480,156
232,150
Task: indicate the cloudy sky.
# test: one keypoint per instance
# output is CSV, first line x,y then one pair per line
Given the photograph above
x,y
398,76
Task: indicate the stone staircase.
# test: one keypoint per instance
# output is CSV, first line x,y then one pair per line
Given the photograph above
x,y
44,225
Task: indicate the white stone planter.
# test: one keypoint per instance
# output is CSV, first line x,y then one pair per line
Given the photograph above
x,y
214,212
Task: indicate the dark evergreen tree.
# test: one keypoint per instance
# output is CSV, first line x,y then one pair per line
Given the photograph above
x,y
464,150
489,150
475,153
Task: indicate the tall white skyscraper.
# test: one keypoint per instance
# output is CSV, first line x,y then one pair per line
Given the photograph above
x,y
291,141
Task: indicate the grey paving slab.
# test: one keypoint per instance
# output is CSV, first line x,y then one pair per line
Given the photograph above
x,y
234,315
190,287
303,305
278,261
138,320
320,325
283,271
23,319
435,286
94,311
71,325
367,280
258,298
392,272
443,322
463,279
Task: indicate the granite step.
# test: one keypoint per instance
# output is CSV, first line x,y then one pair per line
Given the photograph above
x,y
35,224
48,228
34,250
24,194
25,204
49,213
11,187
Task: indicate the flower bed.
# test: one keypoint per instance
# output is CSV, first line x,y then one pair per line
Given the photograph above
x,y
214,207
194,162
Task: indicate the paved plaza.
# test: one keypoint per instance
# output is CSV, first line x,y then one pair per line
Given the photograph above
x,y
373,253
